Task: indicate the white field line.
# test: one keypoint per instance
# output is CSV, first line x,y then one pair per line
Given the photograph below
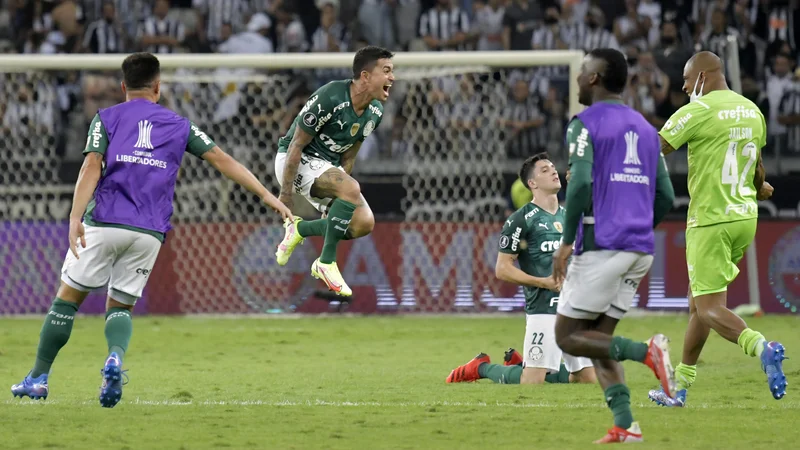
x,y
293,316
345,404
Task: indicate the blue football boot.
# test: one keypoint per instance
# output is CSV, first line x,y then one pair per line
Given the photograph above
x,y
35,388
111,390
772,363
662,399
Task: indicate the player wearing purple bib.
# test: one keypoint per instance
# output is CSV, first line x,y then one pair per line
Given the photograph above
x,y
618,191
724,132
120,215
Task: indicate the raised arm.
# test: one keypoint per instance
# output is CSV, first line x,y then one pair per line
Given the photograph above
x,y
201,146
239,174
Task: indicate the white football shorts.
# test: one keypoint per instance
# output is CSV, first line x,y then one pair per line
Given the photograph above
x,y
541,351
602,282
308,171
119,258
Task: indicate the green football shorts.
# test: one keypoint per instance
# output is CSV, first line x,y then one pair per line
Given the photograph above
x,y
713,252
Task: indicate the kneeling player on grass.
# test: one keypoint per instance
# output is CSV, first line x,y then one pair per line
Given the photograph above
x,y
618,191
532,234
125,188
317,155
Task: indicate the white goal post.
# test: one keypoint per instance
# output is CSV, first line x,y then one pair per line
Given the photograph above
x,y
571,58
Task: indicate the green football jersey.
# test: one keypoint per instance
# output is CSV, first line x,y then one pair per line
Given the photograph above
x,y
534,234
725,133
329,116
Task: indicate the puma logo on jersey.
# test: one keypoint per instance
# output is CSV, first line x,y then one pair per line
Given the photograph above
x,y
543,225
320,108
341,124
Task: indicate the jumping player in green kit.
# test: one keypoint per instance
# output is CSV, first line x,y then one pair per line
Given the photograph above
x,y
530,236
725,133
317,155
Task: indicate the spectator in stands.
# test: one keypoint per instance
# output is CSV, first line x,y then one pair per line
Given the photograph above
x,y
160,34
757,95
50,43
405,14
489,24
376,22
575,10
776,22
522,123
253,40
789,116
521,18
678,13
592,33
671,55
779,83
330,36
651,9
555,33
715,39
212,15
68,18
105,35
444,27
633,28
653,88
292,36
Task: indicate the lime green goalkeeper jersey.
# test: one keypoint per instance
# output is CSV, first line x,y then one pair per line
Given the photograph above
x,y
725,133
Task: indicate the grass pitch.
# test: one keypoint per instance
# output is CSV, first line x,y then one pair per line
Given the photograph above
x,y
370,383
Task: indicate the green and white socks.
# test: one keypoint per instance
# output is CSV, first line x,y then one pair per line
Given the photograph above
x,y
55,333
118,330
512,374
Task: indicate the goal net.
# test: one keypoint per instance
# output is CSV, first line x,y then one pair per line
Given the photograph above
x,y
437,172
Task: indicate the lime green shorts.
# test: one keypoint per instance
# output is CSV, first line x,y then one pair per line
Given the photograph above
x,y
713,252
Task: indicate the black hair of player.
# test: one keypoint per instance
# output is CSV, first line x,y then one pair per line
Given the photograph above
x,y
367,57
526,171
139,70
615,76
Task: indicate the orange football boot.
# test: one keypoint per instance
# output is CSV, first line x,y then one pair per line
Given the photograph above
x,y
618,435
512,358
469,371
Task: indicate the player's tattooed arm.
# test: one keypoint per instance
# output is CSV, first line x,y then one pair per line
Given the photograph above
x,y
666,147
293,156
349,157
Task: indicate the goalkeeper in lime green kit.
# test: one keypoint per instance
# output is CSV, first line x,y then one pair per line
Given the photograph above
x,y
725,133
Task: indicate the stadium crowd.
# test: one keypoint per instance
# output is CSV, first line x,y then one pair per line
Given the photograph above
x,y
53,109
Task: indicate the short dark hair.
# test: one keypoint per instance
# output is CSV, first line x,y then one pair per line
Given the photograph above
x,y
366,58
139,70
527,166
616,73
